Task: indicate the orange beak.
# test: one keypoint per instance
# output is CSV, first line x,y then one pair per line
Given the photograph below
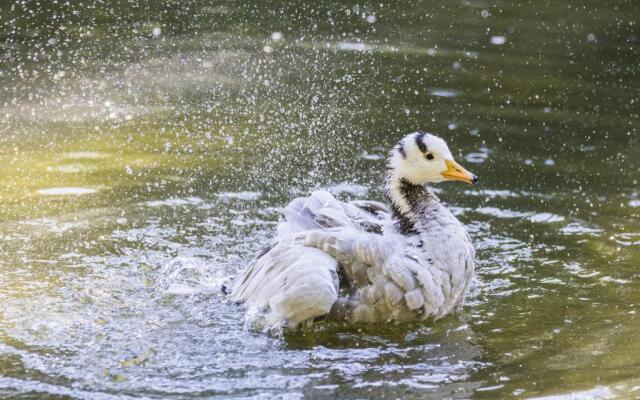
x,y
455,172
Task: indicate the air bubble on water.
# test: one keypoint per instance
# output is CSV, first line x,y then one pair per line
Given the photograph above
x,y
156,31
452,126
456,65
267,49
498,40
485,13
276,36
371,19
591,38
128,169
549,162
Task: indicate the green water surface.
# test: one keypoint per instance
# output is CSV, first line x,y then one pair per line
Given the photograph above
x,y
147,149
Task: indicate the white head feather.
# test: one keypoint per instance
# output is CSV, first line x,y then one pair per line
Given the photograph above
x,y
421,158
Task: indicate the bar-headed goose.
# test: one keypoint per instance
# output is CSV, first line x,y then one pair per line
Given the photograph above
x,y
364,261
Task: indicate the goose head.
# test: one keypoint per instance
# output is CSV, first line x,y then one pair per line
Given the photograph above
x,y
422,158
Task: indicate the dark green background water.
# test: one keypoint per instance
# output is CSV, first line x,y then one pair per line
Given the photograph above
x,y
146,150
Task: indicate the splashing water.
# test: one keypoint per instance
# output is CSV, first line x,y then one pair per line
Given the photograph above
x,y
147,151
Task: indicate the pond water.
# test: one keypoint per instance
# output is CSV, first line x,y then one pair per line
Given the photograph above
x,y
147,149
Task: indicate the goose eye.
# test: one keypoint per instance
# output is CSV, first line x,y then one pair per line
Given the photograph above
x,y
429,156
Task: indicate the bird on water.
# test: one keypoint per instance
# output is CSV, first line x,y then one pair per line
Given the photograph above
x,y
367,261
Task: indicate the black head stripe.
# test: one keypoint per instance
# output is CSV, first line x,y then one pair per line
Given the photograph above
x,y
401,149
420,142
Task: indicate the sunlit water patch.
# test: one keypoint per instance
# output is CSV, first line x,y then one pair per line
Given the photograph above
x,y
71,168
85,155
67,191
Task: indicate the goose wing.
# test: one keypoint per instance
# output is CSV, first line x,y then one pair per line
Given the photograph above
x,y
290,282
321,210
397,285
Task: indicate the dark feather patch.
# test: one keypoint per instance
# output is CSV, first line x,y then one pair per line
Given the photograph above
x,y
401,150
414,196
420,142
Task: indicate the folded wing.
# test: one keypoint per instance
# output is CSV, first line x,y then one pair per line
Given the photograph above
x,y
291,282
398,287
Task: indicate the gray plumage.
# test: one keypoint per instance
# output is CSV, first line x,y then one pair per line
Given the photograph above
x,y
364,261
